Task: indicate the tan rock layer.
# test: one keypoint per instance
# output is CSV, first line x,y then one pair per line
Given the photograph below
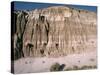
x,y
54,31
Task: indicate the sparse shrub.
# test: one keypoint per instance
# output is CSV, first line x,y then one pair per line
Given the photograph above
x,y
87,67
94,67
75,67
55,67
68,69
83,67
80,68
72,68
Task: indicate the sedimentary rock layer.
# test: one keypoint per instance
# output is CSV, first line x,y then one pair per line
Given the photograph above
x,y
53,31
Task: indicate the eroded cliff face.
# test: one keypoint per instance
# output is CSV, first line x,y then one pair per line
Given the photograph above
x,y
54,31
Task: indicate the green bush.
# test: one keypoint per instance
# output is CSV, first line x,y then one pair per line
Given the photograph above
x,y
55,67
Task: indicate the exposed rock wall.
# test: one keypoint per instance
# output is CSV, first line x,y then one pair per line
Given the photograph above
x,y
54,31
19,25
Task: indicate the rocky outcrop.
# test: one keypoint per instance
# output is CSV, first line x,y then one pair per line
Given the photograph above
x,y
19,25
54,31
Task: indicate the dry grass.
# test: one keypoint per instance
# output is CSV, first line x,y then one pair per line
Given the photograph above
x,y
81,68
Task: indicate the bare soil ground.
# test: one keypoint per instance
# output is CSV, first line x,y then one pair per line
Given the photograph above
x,y
43,64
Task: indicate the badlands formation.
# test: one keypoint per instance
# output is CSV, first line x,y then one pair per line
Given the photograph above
x,y
54,34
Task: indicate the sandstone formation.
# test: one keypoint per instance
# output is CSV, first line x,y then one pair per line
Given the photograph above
x,y
53,31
